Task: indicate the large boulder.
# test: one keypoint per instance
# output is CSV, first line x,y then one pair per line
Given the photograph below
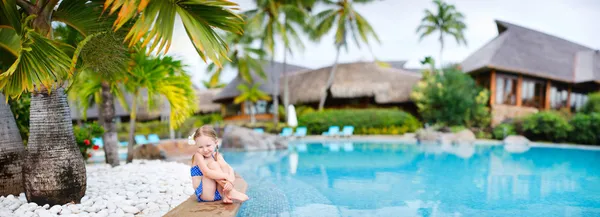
x,y
248,140
428,135
516,144
464,137
148,152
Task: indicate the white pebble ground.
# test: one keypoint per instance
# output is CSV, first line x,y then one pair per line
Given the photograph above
x,y
142,188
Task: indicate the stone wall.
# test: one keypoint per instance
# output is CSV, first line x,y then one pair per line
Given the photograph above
x,y
503,112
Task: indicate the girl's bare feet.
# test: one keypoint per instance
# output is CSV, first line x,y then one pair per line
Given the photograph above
x,y
238,196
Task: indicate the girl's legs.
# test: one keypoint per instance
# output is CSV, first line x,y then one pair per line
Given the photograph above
x,y
215,166
233,194
208,189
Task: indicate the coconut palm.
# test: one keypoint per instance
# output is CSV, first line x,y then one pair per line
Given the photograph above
x,y
11,152
447,20
159,77
278,18
347,21
250,94
214,82
55,174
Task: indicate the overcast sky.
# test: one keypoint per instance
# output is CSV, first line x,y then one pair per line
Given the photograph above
x,y
395,22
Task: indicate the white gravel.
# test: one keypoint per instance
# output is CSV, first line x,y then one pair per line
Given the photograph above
x,y
142,188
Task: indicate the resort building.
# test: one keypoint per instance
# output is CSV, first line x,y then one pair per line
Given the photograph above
x,y
527,71
355,85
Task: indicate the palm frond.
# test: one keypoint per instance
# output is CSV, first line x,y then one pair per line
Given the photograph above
x,y
83,16
10,40
10,15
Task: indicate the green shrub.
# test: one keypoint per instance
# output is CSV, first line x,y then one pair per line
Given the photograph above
x,y
365,121
586,129
546,126
452,99
20,109
503,130
593,104
84,135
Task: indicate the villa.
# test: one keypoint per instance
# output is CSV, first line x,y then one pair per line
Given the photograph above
x,y
355,85
527,71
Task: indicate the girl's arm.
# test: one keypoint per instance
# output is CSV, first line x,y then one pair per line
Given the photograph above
x,y
230,173
208,172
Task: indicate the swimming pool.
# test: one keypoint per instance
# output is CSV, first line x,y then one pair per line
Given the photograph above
x,y
387,179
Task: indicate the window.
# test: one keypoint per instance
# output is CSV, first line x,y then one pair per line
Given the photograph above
x,y
577,101
558,96
506,89
533,93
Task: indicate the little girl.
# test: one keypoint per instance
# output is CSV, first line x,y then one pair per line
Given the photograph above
x,y
212,177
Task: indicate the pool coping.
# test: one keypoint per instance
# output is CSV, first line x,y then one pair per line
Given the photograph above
x,y
191,207
413,141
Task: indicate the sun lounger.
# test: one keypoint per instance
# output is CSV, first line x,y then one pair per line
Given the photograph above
x,y
153,139
300,132
348,131
286,131
259,130
140,140
333,131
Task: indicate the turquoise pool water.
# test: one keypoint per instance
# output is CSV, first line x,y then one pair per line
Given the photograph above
x,y
375,179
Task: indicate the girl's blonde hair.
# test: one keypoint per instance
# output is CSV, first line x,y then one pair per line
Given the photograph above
x,y
206,130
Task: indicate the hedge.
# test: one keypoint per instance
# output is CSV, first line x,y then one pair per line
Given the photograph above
x,y
365,121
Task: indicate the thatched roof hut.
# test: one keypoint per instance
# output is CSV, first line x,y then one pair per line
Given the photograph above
x,y
231,91
387,85
205,100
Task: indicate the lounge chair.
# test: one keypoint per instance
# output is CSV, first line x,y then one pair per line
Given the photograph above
x,y
300,132
286,131
153,139
123,144
333,131
347,131
140,140
259,130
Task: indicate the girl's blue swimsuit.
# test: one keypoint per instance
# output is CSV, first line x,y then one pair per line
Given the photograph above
x,y
195,171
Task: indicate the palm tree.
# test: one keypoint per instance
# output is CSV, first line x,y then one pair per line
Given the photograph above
x,y
447,21
102,87
11,156
250,94
279,18
159,76
55,174
348,21
214,82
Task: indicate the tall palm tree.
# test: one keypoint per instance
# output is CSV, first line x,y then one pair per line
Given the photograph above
x,y
110,46
159,77
279,18
11,152
250,94
347,22
447,20
213,82
55,174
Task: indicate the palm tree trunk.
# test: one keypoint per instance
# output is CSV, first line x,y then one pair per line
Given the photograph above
x,y
11,156
441,50
132,118
286,89
252,117
55,170
107,108
330,80
275,90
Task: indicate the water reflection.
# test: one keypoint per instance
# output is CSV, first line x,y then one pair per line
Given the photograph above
x,y
372,179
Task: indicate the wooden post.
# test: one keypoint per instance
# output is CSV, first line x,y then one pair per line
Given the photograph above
x,y
547,100
492,87
569,97
223,110
519,94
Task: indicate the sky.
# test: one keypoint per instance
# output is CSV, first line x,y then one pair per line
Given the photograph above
x,y
395,22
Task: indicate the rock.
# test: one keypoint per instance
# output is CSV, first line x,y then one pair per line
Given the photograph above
x,y
149,152
55,209
248,140
111,207
65,211
130,209
119,212
46,206
102,213
428,135
464,137
516,144
10,197
91,209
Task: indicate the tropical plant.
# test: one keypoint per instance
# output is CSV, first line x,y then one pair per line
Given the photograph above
x,y
593,104
347,22
56,174
158,77
11,156
452,99
83,137
213,82
250,94
447,20
547,126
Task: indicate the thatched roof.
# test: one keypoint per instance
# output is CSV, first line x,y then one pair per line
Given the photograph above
x,y
534,53
352,80
205,100
230,91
